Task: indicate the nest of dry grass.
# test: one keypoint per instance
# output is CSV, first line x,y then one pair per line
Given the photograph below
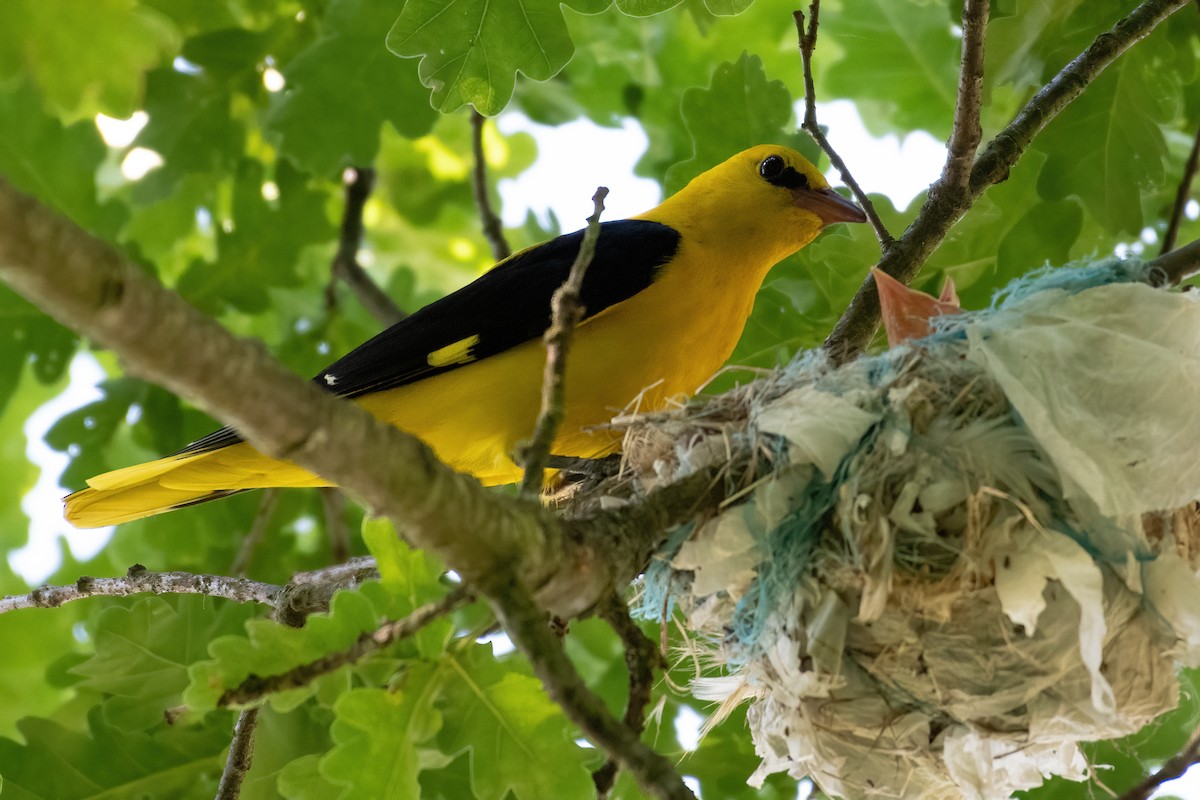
x,y
933,579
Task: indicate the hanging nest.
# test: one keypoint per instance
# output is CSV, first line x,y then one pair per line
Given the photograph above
x,y
949,564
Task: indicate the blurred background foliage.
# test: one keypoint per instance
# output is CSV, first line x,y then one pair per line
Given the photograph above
x,y
253,110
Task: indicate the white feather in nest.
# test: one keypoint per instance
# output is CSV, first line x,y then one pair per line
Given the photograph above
x,y
973,552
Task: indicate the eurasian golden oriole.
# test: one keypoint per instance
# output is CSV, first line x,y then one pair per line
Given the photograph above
x,y
666,297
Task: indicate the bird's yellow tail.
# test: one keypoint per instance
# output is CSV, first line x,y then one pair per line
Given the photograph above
x,y
169,483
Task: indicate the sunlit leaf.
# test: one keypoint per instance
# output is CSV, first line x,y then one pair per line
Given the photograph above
x,y
471,51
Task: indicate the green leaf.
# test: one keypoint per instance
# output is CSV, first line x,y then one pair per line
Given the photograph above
x,y
1020,41
53,162
143,652
471,50
56,763
27,336
727,8
739,109
302,780
325,121
383,739
645,8
84,57
1107,146
286,747
513,731
899,62
190,123
268,648
412,576
260,245
32,641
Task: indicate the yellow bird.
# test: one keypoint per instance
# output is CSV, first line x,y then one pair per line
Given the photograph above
x,y
666,297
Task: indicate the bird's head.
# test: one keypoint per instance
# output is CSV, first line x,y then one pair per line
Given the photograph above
x,y
769,198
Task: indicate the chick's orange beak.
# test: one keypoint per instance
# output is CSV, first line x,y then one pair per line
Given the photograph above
x,y
830,206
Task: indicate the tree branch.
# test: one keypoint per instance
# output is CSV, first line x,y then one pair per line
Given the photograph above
x,y
527,627
1179,263
808,43
140,581
641,658
566,310
493,229
87,285
358,182
241,754
1181,197
943,206
1174,768
255,688
966,133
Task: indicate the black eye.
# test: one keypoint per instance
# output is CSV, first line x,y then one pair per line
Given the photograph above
x,y
778,173
771,167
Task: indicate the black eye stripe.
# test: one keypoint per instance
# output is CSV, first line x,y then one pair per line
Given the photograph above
x,y
777,173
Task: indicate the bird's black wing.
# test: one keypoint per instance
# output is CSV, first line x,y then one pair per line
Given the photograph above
x,y
505,307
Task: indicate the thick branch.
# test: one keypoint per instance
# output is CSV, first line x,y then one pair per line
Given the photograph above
x,y
943,206
566,310
359,181
139,581
493,229
808,43
1181,196
87,285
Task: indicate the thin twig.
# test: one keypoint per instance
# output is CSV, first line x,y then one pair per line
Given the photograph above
x,y
641,658
566,311
943,207
1172,769
266,508
358,182
1181,197
241,754
527,626
808,43
140,581
255,688
333,502
1179,263
493,229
